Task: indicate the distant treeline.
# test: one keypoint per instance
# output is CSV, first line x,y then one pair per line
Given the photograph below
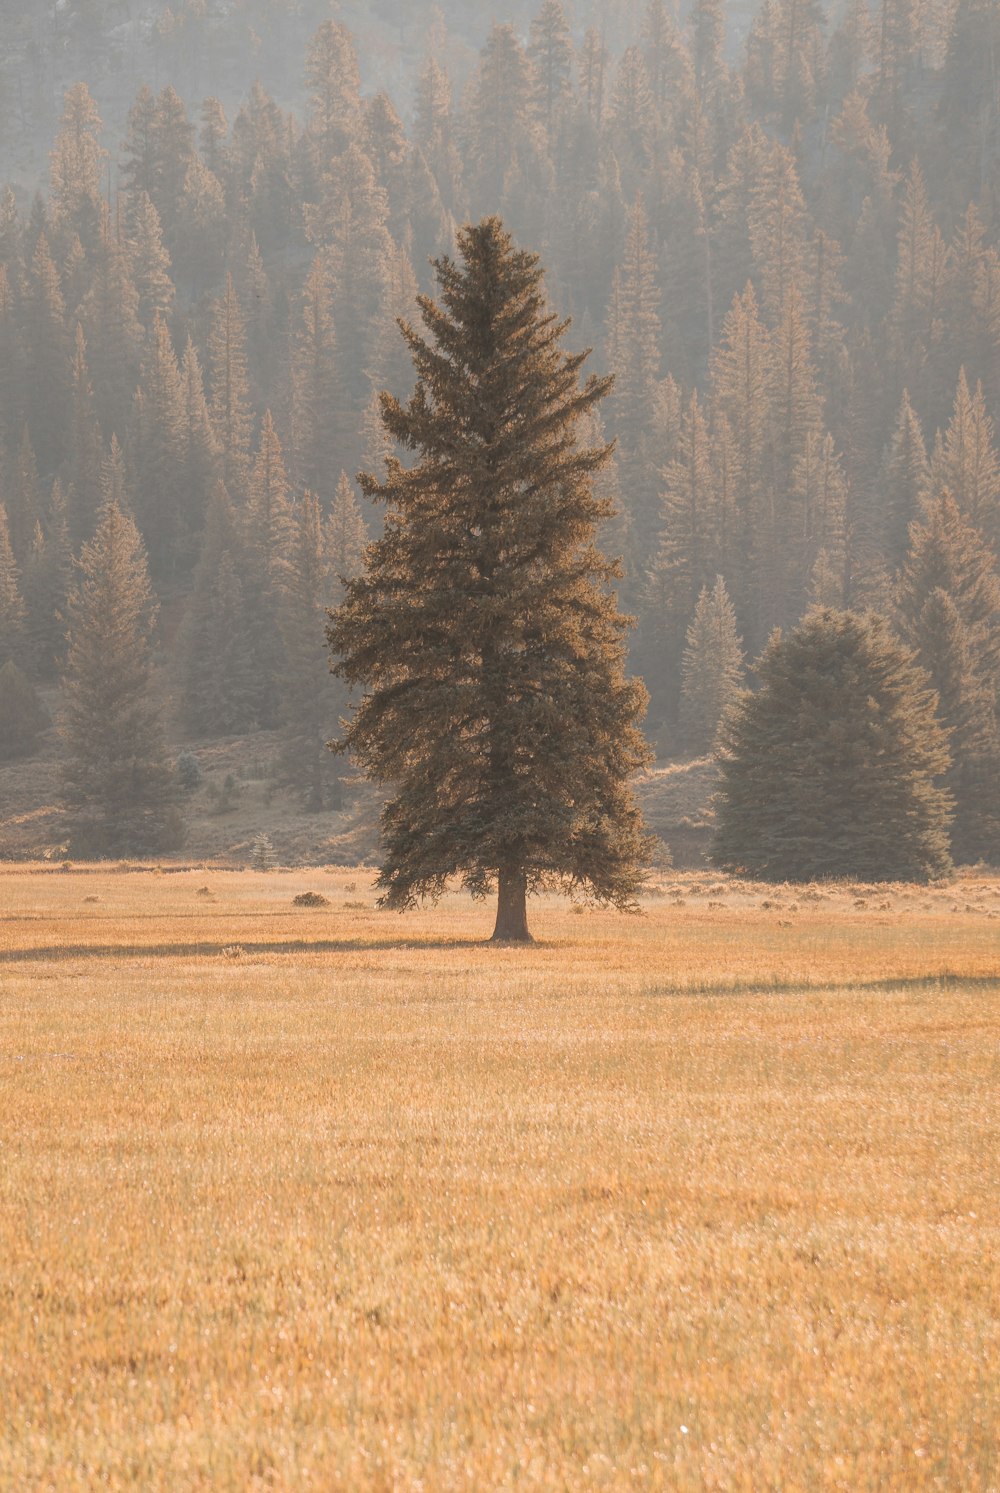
x,y
789,262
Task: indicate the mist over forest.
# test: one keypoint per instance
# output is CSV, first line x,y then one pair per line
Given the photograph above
x,y
776,225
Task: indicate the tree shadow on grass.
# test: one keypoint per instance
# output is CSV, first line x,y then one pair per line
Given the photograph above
x,y
48,952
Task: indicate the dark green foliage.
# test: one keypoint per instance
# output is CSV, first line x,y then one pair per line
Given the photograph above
x,y
483,629
831,769
23,717
119,787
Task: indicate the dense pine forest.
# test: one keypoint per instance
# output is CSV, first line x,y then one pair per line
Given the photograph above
x,y
779,229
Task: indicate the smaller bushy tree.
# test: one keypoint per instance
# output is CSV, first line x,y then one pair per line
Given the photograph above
x,y
831,769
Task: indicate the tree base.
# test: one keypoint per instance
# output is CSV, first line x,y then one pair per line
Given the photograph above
x,y
512,910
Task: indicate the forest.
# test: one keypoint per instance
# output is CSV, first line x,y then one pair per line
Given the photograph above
x,y
778,229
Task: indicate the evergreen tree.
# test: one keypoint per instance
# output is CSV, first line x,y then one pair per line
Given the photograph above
x,y
114,334
47,578
965,462
11,359
215,665
200,461
686,556
76,165
311,701
334,90
85,455
633,354
350,222
708,42
150,263
503,720
267,532
46,361
819,511
24,500
120,790
212,138
916,312
711,670
498,115
158,453
551,55
317,393
948,603
742,377
12,610
903,483
230,402
23,717
832,768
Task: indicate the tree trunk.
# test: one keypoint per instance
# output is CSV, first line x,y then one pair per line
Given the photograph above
x,y
512,911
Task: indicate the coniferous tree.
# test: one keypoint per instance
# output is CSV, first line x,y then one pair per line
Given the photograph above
x,y
948,603
267,532
334,91
85,455
833,768
46,358
498,115
109,315
903,483
317,392
742,377
24,500
23,717
150,263
712,668
351,223
551,55
230,401
965,462
687,556
120,790
47,578
158,449
215,665
311,702
633,354
76,165
12,611
504,721
201,459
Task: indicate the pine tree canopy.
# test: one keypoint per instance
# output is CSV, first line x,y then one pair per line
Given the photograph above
x,y
830,769
484,628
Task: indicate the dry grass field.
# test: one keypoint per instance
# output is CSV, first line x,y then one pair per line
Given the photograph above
x,y
310,1199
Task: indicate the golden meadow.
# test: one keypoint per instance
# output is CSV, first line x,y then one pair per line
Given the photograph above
x,y
323,1198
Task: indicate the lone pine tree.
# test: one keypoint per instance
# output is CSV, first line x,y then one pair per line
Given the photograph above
x,y
484,628
831,769
120,789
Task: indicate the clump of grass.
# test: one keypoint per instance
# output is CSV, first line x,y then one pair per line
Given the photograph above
x,y
310,899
